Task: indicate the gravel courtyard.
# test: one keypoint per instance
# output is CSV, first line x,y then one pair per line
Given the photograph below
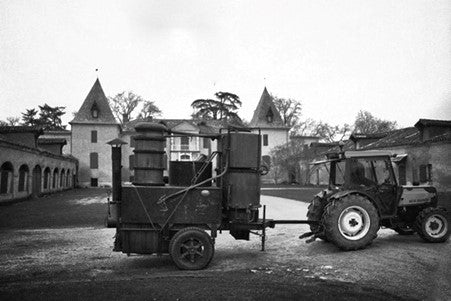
x,y
56,248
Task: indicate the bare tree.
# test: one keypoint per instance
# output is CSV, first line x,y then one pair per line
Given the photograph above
x,y
13,121
325,131
366,123
123,105
289,109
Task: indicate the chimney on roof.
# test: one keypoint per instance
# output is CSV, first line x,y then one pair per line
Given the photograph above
x,y
125,118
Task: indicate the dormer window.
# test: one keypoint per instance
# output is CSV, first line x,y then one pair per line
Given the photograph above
x,y
94,111
270,116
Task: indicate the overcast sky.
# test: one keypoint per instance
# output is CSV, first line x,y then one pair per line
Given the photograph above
x,y
392,58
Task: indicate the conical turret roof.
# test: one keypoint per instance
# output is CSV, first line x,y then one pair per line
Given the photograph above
x,y
264,109
97,100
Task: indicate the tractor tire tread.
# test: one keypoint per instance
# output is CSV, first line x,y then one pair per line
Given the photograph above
x,y
418,225
332,232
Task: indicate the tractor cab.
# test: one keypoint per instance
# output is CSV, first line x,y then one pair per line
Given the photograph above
x,y
366,172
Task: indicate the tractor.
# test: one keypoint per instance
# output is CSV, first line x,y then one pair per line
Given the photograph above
x,y
363,195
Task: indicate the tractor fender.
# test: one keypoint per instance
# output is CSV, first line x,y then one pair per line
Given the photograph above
x,y
341,194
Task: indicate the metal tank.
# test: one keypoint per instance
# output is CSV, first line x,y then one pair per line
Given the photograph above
x,y
149,154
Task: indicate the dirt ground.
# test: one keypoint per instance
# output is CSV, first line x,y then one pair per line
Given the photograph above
x,y
56,248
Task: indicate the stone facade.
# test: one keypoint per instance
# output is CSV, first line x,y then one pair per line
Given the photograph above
x,y
26,170
95,157
92,127
91,173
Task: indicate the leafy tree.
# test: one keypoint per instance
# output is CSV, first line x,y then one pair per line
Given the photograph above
x,y
3,123
366,123
222,108
29,117
149,110
289,109
50,117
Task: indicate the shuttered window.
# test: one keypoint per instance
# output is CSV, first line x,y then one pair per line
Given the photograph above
x,y
131,162
94,160
93,136
425,173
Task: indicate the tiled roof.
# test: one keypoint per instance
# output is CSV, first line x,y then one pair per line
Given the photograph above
x,y
406,136
205,127
19,146
432,122
169,123
266,105
359,136
21,129
52,141
96,97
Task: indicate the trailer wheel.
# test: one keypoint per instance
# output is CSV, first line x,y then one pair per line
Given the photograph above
x,y
351,222
432,225
315,213
191,249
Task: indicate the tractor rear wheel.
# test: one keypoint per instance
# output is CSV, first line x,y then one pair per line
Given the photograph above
x,y
191,249
351,222
315,213
432,225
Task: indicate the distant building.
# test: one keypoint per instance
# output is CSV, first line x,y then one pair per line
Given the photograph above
x,y
92,127
30,165
423,152
274,133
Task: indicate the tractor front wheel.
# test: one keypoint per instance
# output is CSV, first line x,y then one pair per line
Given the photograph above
x,y
351,222
191,249
432,225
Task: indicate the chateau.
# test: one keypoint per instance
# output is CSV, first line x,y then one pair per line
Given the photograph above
x,y
94,125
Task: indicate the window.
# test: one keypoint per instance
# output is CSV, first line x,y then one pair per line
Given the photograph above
x,y
207,143
132,141
265,140
68,178
62,176
184,142
46,178
93,136
55,178
94,111
370,172
131,162
185,157
425,173
94,182
94,160
23,178
266,160
6,181
270,116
